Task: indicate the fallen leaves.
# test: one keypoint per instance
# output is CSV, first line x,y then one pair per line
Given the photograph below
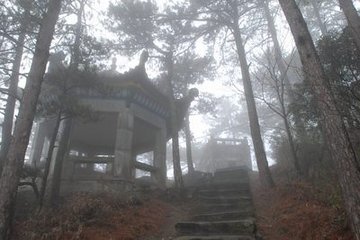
x,y
97,217
295,211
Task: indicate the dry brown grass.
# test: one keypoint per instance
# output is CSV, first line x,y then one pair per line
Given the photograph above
x,y
102,217
297,210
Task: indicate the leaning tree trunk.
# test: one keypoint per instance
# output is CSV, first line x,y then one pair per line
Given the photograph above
x,y
60,156
76,55
179,184
12,92
48,159
353,19
260,154
67,122
343,154
187,131
15,157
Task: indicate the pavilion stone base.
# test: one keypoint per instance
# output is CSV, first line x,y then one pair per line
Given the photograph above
x,y
115,186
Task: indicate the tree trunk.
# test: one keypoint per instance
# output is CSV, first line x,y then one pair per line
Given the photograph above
x,y
67,122
60,156
319,21
353,19
260,154
343,154
188,144
48,160
12,92
290,93
15,157
76,55
179,184
292,146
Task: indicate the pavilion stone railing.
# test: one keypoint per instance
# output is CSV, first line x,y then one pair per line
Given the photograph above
x,y
74,169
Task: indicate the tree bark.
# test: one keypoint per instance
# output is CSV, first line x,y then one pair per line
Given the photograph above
x,y
353,19
67,122
260,154
343,154
188,144
48,160
15,157
60,156
76,55
179,183
291,144
12,91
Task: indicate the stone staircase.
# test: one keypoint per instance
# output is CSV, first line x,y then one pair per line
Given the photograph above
x,y
225,209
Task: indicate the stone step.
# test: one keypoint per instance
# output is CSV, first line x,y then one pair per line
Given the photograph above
x,y
232,177
224,207
221,216
226,186
240,173
225,199
225,210
242,169
229,181
218,237
244,191
233,227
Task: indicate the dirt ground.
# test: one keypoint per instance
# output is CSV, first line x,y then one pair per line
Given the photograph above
x,y
297,210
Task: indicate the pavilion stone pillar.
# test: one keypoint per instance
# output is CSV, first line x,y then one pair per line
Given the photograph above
x,y
160,157
123,165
